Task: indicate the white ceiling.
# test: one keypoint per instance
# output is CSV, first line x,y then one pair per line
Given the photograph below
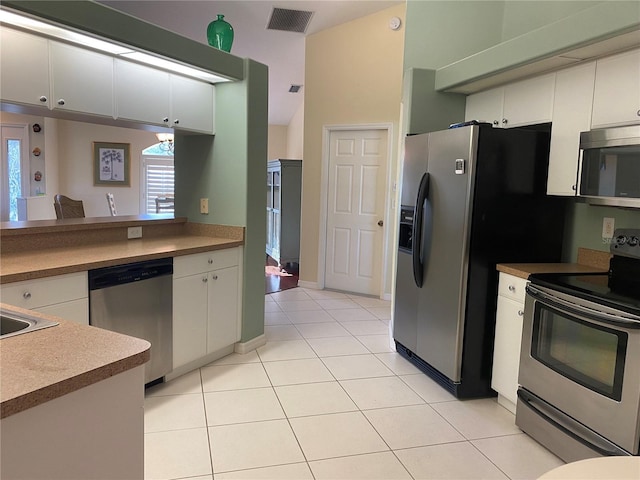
x,y
282,52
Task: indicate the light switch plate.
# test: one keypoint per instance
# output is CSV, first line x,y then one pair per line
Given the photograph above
x,y
134,232
204,205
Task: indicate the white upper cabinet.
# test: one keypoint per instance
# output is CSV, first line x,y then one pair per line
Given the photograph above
x,y
528,102
616,98
28,55
141,93
192,104
571,115
485,106
81,80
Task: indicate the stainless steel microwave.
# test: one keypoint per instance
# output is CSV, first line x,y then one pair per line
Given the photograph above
x,y
609,166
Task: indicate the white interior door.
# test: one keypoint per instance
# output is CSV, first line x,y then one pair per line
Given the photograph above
x,y
355,210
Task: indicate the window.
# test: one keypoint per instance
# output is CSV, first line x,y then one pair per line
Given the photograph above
x,y
157,181
15,171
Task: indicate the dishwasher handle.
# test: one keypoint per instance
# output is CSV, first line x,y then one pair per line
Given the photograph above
x,y
129,273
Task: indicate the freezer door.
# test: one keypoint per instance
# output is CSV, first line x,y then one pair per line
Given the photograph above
x,y
414,165
446,241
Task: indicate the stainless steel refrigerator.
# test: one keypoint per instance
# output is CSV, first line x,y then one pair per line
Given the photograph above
x,y
472,197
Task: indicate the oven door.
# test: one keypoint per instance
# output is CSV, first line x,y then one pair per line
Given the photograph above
x,y
583,359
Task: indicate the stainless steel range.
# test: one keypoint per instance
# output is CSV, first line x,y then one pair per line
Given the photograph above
x,y
579,378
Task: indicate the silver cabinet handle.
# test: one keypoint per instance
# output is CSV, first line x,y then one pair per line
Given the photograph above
x,y
214,276
574,187
495,123
43,99
176,121
210,261
638,113
504,121
165,120
26,295
520,313
380,223
61,101
205,279
512,288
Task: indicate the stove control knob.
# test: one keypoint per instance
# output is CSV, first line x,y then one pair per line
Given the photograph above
x,y
621,240
633,241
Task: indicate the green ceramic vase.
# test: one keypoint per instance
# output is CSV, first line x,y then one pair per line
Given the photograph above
x,y
220,34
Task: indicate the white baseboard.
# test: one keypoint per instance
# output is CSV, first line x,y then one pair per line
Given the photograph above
x,y
311,285
200,362
251,345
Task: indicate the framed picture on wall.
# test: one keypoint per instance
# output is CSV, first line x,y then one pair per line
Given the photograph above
x,y
111,164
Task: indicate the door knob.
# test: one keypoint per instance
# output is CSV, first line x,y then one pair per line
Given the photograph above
x,y
380,223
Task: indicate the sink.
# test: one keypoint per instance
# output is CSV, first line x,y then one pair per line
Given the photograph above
x,y
12,323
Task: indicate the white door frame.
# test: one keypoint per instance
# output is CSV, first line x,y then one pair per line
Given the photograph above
x,y
324,194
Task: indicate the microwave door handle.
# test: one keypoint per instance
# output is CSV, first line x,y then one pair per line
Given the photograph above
x,y
569,426
579,172
632,321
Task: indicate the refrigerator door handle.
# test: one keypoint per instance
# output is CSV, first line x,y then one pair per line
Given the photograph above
x,y
418,265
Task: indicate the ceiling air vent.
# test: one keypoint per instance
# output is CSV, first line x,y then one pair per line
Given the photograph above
x,y
289,20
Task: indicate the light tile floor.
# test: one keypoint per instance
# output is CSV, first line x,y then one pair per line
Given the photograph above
x,y
328,398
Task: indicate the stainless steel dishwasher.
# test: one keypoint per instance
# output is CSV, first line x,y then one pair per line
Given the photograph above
x,y
136,299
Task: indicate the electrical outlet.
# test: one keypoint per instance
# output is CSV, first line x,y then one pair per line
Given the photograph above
x,y
134,232
204,205
608,226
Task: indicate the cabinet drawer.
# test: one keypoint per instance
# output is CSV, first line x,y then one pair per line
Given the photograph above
x,y
32,294
512,287
204,262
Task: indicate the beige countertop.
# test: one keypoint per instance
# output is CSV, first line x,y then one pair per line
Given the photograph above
x,y
523,270
41,365
588,261
57,261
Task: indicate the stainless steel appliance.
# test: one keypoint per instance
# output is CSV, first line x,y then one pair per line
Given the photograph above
x,y
136,299
472,197
609,167
579,377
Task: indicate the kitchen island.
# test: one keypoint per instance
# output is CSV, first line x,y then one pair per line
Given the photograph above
x,y
71,402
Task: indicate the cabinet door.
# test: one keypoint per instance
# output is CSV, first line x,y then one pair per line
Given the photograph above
x,y
76,311
81,80
506,350
485,106
223,309
44,292
192,104
571,115
24,68
189,318
528,102
142,93
616,97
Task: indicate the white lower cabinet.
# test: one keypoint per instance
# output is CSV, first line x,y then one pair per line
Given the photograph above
x,y
506,349
65,296
206,304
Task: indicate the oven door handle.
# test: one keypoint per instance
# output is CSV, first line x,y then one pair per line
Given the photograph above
x,y
569,426
626,320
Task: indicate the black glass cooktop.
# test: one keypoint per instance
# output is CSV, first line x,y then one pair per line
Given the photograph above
x,y
593,287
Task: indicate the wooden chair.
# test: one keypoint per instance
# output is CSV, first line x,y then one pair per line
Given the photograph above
x,y
112,204
67,208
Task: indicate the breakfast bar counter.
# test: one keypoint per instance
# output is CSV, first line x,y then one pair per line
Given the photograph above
x,y
42,365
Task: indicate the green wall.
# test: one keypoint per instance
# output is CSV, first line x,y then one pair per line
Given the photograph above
x,y
585,226
229,169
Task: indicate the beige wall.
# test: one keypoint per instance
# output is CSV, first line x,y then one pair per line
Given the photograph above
x,y
295,134
353,75
277,142
75,150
